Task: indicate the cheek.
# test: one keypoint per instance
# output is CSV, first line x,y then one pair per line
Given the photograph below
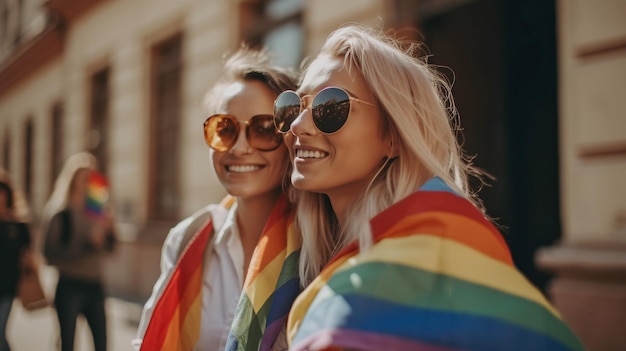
x,y
216,157
280,159
362,149
289,140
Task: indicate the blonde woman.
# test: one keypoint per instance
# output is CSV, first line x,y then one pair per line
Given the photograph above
x,y
397,252
75,241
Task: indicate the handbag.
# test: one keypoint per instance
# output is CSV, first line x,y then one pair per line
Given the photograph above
x,y
29,289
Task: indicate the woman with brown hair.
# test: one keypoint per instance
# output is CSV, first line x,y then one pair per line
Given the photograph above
x,y
215,255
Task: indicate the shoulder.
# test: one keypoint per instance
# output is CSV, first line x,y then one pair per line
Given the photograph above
x,y
64,215
214,211
19,230
192,222
23,228
61,213
188,226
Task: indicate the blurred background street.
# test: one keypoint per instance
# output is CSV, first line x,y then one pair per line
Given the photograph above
x,y
38,330
538,86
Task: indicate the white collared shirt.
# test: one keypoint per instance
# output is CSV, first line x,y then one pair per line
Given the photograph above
x,y
222,282
221,286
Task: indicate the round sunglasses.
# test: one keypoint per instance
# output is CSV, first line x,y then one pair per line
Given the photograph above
x,y
222,130
330,109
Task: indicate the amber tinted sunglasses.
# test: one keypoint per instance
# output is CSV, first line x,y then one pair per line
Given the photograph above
x,y
222,130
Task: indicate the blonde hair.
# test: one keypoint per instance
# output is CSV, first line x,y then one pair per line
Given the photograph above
x,y
64,184
248,64
418,115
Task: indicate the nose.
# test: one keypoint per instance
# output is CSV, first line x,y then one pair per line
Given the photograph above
x,y
303,124
241,146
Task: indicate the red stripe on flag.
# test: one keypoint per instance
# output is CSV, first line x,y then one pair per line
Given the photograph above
x,y
162,319
429,204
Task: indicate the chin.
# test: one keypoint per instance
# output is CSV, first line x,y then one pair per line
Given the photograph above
x,y
252,192
238,191
301,183
297,180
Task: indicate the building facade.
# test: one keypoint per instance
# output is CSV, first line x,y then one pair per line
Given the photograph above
x,y
590,261
538,85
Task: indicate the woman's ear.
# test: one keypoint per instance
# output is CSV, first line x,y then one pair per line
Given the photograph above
x,y
392,151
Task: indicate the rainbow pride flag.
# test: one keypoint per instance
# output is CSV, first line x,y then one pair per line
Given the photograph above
x,y
97,193
438,278
175,322
271,285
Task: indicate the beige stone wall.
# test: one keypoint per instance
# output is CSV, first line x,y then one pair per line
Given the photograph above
x,y
119,34
592,86
31,100
590,262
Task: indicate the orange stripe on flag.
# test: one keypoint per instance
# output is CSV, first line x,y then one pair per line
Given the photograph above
x,y
272,242
452,226
182,334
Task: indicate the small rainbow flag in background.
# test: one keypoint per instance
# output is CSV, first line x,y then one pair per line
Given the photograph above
x,y
97,193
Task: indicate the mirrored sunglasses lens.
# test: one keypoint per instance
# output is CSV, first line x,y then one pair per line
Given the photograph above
x,y
262,134
220,132
331,107
286,110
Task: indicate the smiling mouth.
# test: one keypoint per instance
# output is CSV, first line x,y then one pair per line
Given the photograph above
x,y
243,168
310,154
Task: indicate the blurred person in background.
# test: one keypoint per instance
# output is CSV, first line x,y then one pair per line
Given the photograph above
x,y
209,258
15,249
78,228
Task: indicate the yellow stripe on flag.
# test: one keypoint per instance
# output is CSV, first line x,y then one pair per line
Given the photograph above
x,y
440,255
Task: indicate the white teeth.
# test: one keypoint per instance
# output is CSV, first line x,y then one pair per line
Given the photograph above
x,y
310,154
242,168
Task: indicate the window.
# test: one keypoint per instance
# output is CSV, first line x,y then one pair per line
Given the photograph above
x,y
6,150
29,138
276,25
4,21
56,147
17,39
98,136
165,99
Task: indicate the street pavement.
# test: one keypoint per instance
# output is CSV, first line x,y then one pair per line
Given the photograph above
x,y
38,330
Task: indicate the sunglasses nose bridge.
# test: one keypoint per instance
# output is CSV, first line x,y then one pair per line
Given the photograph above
x,y
306,102
241,143
303,123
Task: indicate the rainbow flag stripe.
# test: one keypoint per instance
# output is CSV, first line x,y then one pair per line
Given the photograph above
x,y
97,193
439,278
175,322
271,285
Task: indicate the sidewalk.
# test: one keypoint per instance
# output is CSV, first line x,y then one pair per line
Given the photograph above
x,y
38,330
